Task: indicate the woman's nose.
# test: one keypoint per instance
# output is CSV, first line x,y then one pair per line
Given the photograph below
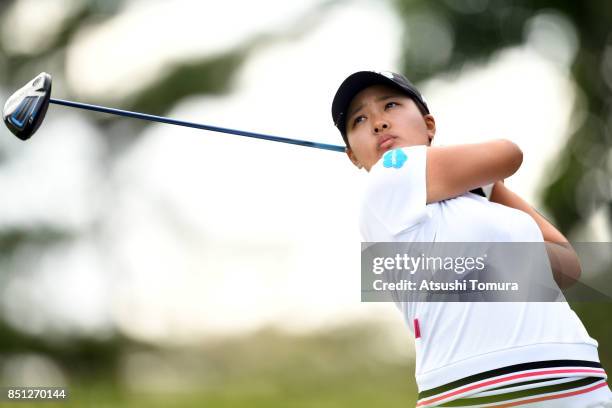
x,y
380,126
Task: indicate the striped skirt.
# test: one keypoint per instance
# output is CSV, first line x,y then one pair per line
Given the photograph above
x,y
553,383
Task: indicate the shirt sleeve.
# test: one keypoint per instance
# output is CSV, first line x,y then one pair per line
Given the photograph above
x,y
395,197
488,190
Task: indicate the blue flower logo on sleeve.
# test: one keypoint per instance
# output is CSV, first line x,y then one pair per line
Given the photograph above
x,y
394,158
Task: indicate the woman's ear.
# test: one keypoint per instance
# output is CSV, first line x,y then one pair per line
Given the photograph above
x,y
352,157
430,124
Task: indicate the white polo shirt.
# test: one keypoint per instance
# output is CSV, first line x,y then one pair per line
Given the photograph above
x,y
461,339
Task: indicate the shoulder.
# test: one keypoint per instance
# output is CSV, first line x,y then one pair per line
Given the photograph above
x,y
395,195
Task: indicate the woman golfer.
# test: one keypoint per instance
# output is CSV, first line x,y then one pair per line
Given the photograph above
x,y
469,354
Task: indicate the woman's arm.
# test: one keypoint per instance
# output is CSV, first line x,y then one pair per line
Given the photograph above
x,y
563,259
455,170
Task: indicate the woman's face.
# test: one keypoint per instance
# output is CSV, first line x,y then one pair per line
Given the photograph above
x,y
381,118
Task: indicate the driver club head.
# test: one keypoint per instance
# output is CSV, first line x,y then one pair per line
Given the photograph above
x,y
25,110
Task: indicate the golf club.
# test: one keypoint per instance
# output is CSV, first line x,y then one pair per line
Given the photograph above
x,y
25,110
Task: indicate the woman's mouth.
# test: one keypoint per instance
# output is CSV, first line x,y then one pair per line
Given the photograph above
x,y
386,142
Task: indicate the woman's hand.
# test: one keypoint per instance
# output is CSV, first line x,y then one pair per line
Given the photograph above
x,y
564,263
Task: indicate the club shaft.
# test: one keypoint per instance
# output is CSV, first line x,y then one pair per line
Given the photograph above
x,y
194,125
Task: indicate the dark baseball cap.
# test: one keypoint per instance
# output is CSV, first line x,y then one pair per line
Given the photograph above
x,y
358,81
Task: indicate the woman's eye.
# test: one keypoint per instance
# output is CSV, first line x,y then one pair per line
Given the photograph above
x,y
390,105
358,120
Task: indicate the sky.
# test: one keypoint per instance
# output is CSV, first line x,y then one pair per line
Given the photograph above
x,y
191,234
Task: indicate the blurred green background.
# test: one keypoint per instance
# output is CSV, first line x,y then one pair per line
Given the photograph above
x,y
148,266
